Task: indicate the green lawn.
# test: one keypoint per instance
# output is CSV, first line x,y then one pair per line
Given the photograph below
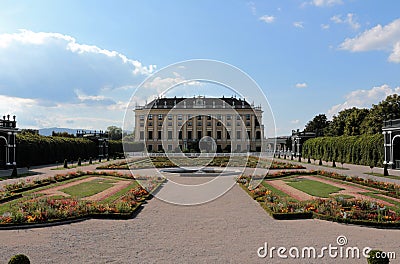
x,y
89,188
314,188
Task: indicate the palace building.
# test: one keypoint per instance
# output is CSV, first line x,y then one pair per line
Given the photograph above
x,y
199,124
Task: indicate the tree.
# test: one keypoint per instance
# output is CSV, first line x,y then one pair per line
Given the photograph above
x,y
114,133
385,110
317,125
354,120
62,134
337,125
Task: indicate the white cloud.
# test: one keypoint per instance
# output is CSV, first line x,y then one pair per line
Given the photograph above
x,y
268,19
49,79
298,24
51,66
252,7
323,3
301,85
295,121
380,37
31,113
325,26
349,20
364,98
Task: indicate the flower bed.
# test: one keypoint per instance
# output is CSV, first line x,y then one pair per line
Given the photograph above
x,y
336,209
165,162
35,210
48,210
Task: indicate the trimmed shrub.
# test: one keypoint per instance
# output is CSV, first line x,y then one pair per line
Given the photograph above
x,y
79,162
361,150
19,259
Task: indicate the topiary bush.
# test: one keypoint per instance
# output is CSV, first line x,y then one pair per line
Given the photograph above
x,y
19,259
372,258
65,164
79,162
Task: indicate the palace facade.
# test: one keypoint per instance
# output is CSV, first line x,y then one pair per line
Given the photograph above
x,y
184,124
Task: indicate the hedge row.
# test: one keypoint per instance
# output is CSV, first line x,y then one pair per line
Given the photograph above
x,y
35,149
363,150
38,150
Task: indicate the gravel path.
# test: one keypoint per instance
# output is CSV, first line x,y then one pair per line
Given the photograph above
x,y
227,230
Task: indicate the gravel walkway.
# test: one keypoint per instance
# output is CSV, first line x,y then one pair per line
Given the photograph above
x,y
227,230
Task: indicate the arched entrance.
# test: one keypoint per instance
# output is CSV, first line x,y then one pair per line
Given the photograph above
x,y
3,152
396,151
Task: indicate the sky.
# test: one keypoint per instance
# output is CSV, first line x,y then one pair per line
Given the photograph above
x,y
76,64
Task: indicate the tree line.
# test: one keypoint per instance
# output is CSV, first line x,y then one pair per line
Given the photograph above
x,y
353,135
356,121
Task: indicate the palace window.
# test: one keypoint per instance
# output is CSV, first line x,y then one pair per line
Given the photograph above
x,y
150,117
228,117
169,134
169,117
150,134
141,135
141,117
160,116
219,134
179,117
238,135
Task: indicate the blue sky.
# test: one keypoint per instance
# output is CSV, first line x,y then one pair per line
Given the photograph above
x,y
76,63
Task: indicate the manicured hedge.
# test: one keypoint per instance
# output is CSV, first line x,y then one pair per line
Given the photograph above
x,y
38,150
363,150
35,149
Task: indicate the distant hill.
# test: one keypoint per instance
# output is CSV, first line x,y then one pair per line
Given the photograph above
x,y
48,131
